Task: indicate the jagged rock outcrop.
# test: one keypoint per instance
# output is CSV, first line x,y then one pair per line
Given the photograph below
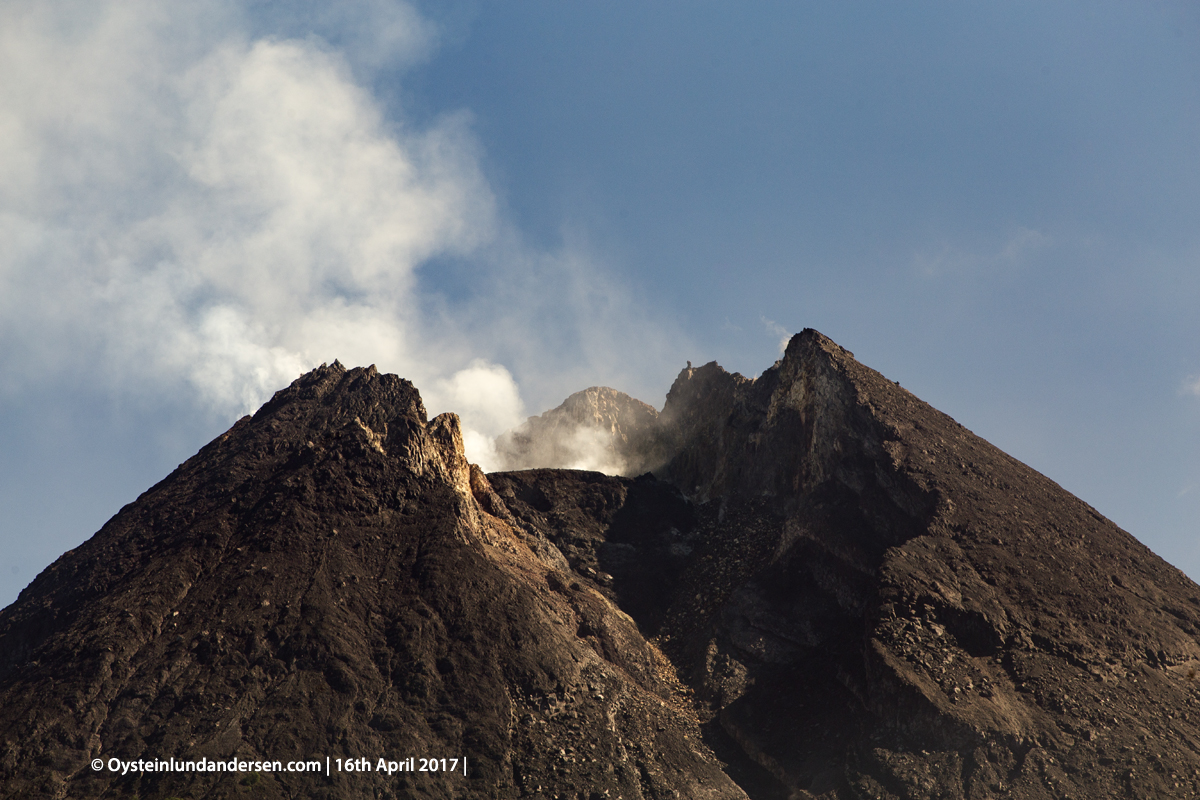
x,y
826,589
596,429
330,578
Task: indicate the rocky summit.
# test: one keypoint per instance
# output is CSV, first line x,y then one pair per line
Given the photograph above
x,y
820,587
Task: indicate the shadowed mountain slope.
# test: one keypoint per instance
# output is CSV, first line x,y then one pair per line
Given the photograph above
x,y
917,614
871,602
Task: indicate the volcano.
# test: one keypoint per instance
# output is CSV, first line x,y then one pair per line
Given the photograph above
x,y
818,586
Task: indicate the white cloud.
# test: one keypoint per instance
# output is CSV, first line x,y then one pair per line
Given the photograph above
x,y
775,329
225,213
487,396
188,209
1193,386
1022,242
371,33
947,259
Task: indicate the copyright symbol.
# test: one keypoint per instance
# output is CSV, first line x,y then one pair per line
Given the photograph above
x,y
97,764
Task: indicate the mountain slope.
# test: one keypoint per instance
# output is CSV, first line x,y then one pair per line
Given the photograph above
x,y
321,581
926,616
870,601
826,589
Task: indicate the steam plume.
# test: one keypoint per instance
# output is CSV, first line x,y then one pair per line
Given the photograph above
x,y
186,208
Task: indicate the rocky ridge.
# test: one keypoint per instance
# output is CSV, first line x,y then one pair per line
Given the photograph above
x,y
870,601
331,578
827,588
925,616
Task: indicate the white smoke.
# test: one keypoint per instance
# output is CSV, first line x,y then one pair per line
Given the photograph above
x,y
582,447
487,396
777,330
186,208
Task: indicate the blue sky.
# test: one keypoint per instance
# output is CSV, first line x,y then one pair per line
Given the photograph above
x,y
995,204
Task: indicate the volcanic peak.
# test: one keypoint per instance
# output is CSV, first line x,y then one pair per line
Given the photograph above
x,y
827,589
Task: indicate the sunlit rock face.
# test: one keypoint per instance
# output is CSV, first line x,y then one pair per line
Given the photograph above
x,y
816,586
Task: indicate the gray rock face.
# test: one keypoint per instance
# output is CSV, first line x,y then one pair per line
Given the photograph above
x,y
826,589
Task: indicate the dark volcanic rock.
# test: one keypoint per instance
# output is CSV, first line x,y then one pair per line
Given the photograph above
x,y
827,589
327,580
870,601
926,616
